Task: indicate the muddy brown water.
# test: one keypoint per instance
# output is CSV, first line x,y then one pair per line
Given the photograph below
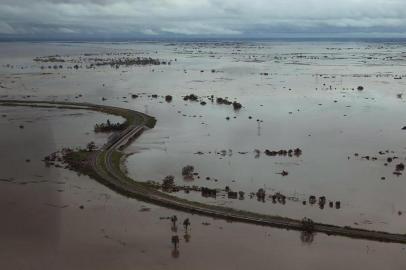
x,y
44,227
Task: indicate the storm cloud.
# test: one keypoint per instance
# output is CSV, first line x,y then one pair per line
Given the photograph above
x,y
230,18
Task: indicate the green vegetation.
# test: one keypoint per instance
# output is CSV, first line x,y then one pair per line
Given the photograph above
x,y
116,158
83,161
78,160
79,156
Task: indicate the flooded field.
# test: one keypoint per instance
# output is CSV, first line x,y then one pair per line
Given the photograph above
x,y
340,104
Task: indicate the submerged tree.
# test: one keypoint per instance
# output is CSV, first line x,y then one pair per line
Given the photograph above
x,y
168,183
108,126
186,224
174,226
307,225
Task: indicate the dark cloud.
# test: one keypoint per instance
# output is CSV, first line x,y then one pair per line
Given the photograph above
x,y
201,17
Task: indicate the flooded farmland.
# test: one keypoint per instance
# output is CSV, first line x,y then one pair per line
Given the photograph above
x,y
340,103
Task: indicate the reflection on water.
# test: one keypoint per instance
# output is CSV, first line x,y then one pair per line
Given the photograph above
x,y
175,239
33,198
316,107
175,253
302,96
187,237
307,237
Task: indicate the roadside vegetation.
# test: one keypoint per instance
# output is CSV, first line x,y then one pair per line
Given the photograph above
x,y
95,163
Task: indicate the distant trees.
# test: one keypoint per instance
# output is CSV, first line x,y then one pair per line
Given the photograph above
x,y
128,61
188,170
191,97
108,126
168,98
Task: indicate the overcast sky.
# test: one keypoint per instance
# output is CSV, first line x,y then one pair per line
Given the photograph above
x,y
212,18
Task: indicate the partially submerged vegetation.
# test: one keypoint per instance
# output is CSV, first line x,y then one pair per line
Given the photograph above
x,y
128,61
219,100
388,158
107,170
290,152
50,59
109,127
91,61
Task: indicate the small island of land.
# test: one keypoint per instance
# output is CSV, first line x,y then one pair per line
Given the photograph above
x,y
104,165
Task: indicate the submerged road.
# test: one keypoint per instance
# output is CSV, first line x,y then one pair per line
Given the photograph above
x,y
107,169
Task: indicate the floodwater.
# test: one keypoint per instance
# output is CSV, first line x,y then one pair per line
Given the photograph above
x,y
307,100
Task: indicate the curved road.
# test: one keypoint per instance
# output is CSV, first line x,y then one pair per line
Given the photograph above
x,y
105,168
